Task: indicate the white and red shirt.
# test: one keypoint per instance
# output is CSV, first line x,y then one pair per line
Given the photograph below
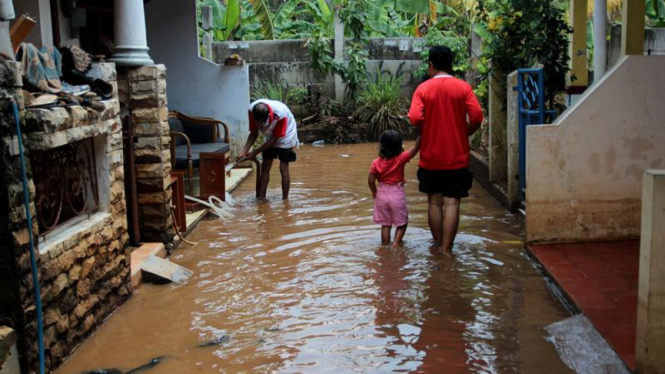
x,y
280,124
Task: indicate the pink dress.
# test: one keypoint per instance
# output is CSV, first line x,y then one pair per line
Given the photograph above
x,y
390,204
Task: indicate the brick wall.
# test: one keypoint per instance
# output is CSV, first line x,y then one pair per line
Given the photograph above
x,y
84,266
143,92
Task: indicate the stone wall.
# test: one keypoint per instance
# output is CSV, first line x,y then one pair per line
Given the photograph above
x,y
84,267
287,61
143,92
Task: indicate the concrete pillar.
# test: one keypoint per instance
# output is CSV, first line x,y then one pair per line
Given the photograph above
x,y
578,75
513,139
632,27
339,57
497,122
131,43
599,38
650,345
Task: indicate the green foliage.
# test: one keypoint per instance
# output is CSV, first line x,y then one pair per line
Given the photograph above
x,y
451,40
524,33
225,17
354,74
656,12
320,52
267,89
382,106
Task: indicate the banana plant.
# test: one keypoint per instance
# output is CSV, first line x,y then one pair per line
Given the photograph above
x,y
264,18
225,18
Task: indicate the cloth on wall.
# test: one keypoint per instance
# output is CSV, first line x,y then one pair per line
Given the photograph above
x,y
41,68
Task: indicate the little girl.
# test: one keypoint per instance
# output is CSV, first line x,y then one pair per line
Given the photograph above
x,y
390,200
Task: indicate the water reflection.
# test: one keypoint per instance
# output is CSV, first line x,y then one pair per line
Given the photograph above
x,y
303,286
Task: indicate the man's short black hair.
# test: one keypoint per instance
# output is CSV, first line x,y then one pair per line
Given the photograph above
x,y
441,58
261,112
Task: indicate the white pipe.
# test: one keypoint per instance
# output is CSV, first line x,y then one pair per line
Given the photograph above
x,y
219,207
7,10
599,39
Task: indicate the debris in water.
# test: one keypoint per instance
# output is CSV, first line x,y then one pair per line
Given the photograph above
x,y
273,329
216,341
141,368
318,143
147,366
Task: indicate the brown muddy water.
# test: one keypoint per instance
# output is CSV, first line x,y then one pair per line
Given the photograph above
x,y
305,287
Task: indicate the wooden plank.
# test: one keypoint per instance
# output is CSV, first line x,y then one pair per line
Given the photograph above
x,y
20,30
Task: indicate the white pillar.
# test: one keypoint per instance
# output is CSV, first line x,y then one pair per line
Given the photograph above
x,y
599,39
650,343
131,42
339,56
6,14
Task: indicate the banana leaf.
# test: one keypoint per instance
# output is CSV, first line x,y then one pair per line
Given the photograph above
x,y
231,17
264,17
412,6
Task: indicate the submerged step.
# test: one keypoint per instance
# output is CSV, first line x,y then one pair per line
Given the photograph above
x,y
160,271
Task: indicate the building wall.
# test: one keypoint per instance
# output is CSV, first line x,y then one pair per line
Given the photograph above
x,y
584,173
287,61
196,86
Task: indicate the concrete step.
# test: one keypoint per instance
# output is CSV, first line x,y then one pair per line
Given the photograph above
x,y
140,254
160,271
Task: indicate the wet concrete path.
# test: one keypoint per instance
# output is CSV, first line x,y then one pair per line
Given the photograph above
x,y
305,287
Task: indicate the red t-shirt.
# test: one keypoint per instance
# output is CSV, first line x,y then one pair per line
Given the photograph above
x,y
390,171
440,107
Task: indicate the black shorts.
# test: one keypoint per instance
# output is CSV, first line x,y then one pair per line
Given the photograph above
x,y
284,154
451,183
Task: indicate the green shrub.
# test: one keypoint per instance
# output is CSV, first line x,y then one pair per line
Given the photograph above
x,y
382,106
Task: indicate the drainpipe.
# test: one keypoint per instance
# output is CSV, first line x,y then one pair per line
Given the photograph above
x,y
6,14
599,39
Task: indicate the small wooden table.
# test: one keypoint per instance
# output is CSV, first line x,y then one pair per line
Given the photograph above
x,y
212,178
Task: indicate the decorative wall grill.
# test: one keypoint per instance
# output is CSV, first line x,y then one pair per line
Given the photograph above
x,y
66,181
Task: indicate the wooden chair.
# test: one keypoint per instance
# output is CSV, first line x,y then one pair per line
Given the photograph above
x,y
194,139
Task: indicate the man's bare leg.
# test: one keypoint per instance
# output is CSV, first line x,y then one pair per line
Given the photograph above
x,y
385,235
435,216
266,165
399,235
286,179
450,222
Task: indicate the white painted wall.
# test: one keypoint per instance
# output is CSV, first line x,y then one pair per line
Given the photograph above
x,y
194,85
584,173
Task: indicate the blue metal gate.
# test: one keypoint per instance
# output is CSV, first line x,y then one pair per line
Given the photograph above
x,y
532,111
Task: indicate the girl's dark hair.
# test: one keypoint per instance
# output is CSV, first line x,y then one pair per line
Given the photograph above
x,y
390,144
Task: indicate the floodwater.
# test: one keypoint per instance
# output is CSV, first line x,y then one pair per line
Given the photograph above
x,y
305,287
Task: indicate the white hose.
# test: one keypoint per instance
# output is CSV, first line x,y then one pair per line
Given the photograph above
x,y
219,207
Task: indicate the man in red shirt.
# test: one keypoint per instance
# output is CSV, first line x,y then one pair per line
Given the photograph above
x,y
447,112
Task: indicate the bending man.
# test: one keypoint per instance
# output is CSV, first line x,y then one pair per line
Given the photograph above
x,y
276,122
